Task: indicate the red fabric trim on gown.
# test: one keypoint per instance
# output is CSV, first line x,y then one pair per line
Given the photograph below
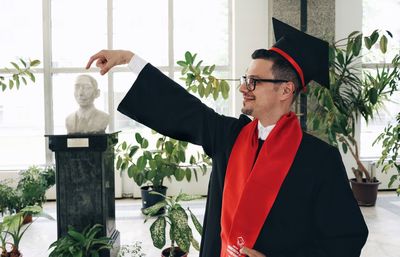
x,y
250,191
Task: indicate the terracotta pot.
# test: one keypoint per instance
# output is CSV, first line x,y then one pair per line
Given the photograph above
x,y
177,252
27,219
365,192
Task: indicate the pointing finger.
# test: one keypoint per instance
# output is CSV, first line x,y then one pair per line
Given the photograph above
x,y
93,58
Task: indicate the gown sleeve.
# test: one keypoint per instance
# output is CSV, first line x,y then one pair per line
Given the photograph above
x,y
163,105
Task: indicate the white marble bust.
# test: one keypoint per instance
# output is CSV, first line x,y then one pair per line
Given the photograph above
x,y
87,119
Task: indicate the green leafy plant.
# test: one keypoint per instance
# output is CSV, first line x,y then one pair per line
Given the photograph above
x,y
200,79
169,159
33,184
13,229
354,93
177,218
8,197
390,140
84,244
30,190
20,73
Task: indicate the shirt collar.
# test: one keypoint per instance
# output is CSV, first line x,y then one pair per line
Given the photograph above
x,y
263,132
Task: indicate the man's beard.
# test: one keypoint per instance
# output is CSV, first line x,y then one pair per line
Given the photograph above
x,y
247,111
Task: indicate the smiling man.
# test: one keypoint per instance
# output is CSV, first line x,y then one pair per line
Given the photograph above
x,y
274,190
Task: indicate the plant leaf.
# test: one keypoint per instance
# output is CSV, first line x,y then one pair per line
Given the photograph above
x,y
157,231
383,44
196,223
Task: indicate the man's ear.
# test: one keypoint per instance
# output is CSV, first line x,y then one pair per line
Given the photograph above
x,y
288,89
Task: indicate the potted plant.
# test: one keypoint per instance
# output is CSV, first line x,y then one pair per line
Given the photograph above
x,y
149,168
13,229
390,139
354,93
8,198
32,186
30,190
177,218
21,73
169,158
33,183
84,244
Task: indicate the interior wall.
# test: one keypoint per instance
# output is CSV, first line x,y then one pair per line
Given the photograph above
x,y
250,32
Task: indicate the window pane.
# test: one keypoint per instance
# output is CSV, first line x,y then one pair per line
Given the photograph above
x,y
22,141
221,105
20,30
202,27
79,29
380,16
142,26
65,103
370,131
122,83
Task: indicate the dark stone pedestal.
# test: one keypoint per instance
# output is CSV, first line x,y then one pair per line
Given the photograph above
x,y
85,183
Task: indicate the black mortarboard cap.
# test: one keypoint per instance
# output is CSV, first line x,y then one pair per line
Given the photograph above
x,y
308,55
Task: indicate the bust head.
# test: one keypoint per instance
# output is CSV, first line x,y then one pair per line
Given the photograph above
x,y
87,119
86,90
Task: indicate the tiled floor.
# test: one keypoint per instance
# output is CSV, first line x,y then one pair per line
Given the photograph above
x,y
383,221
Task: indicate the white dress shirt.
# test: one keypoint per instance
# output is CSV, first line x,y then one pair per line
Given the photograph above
x,y
263,132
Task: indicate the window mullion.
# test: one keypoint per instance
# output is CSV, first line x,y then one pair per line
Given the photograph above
x,y
47,78
110,34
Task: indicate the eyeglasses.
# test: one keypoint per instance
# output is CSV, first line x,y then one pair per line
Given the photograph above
x,y
252,82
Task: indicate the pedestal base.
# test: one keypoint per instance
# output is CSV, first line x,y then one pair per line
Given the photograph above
x,y
85,184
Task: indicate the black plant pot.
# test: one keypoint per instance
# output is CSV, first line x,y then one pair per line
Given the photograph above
x,y
151,199
365,192
177,252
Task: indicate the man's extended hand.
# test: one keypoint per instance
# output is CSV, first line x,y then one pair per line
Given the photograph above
x,y
106,59
251,252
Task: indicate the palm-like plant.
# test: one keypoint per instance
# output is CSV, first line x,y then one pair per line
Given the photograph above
x,y
354,93
13,229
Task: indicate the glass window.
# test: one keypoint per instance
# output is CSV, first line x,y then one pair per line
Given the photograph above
x,y
380,16
377,16
81,28
22,141
20,30
143,27
76,32
206,33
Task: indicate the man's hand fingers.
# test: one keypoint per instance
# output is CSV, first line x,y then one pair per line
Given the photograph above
x,y
251,252
106,59
105,69
99,55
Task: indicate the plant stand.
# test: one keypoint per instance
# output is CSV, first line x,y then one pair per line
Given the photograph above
x,y
85,184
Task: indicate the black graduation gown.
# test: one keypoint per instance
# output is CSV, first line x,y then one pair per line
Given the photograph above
x,y
314,215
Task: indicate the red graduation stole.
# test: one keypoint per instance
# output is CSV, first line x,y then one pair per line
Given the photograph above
x,y
250,191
